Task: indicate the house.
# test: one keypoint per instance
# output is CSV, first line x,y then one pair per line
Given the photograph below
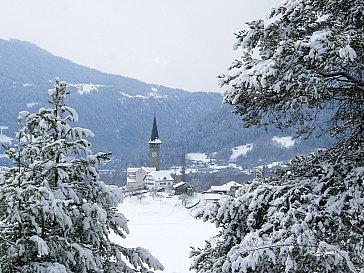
x,y
212,197
227,189
182,188
135,177
216,193
158,180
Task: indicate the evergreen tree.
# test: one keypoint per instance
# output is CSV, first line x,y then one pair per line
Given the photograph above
x,y
56,214
308,219
308,56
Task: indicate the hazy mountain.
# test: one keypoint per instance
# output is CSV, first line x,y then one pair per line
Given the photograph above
x,y
119,110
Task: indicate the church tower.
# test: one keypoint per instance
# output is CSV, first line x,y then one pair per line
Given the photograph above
x,y
154,147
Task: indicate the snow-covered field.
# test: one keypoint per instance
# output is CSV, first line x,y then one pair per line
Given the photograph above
x,y
165,228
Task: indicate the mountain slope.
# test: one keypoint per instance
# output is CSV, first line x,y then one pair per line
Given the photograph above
x,y
120,110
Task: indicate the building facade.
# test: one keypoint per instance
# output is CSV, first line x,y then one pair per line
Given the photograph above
x,y
158,180
135,177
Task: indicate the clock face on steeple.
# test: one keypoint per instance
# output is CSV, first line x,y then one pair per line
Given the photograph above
x,y
154,154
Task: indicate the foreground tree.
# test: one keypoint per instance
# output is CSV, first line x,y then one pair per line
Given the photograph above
x,y
308,219
56,214
307,57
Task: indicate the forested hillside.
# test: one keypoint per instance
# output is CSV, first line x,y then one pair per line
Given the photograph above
x,y
120,110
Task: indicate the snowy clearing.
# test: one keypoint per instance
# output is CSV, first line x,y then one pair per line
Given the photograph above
x,y
241,150
165,228
152,94
199,157
286,141
85,88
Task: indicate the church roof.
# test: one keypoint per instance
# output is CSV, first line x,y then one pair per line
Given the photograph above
x,y
154,138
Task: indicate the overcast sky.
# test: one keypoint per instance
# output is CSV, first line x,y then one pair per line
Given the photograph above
x,y
178,43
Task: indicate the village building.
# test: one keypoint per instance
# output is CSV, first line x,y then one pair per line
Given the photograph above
x,y
152,176
182,188
227,189
216,193
135,177
158,180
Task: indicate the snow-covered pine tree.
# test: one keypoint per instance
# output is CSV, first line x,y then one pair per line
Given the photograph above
x,y
308,219
56,214
307,57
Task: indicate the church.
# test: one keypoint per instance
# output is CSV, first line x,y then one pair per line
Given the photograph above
x,y
151,177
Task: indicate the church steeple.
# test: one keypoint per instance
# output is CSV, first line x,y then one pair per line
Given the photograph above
x,y
154,147
154,136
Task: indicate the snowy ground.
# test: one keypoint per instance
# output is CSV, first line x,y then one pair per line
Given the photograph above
x,y
166,229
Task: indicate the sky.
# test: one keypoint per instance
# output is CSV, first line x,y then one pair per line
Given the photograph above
x,y
177,43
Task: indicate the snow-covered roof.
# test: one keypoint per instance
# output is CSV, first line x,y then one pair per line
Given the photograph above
x,y
179,184
146,169
130,170
220,188
226,187
161,175
212,196
233,183
149,169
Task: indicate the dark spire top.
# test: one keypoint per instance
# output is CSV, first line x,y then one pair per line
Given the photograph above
x,y
154,135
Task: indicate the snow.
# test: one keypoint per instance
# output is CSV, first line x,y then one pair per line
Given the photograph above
x,y
27,85
5,139
286,141
166,229
275,164
32,104
225,187
212,197
179,184
348,53
152,94
199,157
161,175
85,88
41,244
133,97
241,150
156,141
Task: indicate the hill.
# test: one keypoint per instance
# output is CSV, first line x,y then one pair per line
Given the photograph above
x,y
119,110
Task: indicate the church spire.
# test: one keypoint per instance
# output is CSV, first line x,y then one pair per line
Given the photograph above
x,y
154,147
154,136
